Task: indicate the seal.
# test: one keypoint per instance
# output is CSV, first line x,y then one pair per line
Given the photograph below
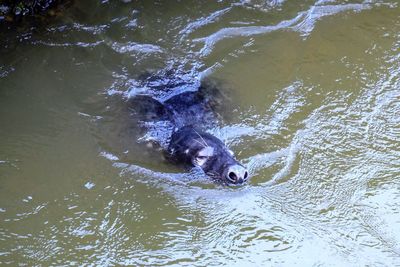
x,y
178,125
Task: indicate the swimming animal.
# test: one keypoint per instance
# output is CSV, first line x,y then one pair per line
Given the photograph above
x,y
178,125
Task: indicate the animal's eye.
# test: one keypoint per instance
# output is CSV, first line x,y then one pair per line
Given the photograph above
x,y
203,155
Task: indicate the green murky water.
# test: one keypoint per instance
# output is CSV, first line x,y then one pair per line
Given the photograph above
x,y
316,87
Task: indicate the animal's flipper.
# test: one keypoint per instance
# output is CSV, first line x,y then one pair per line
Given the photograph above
x,y
145,108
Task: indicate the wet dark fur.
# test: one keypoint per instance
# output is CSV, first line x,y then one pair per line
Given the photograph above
x,y
190,114
187,142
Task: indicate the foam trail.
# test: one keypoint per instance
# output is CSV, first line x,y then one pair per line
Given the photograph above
x,y
304,23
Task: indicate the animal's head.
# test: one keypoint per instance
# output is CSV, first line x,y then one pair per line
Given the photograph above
x,y
209,153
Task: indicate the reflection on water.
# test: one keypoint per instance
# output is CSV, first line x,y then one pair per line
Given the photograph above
x,y
315,99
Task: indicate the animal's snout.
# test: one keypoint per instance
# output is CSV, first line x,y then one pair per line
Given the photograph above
x,y
237,174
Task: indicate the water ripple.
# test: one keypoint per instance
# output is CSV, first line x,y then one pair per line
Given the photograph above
x,y
304,23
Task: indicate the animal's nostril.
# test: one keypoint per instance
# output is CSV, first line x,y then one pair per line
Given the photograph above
x,y
237,174
232,176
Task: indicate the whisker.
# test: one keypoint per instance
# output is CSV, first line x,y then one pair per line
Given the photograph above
x,y
212,174
200,137
199,142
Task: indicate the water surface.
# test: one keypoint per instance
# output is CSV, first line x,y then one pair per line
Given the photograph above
x,y
315,117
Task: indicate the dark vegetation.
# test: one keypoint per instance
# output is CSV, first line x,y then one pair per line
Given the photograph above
x,y
13,11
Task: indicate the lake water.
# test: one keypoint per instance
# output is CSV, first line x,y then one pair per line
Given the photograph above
x,y
315,89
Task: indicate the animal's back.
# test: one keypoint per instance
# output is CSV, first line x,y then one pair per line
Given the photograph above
x,y
159,119
192,108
